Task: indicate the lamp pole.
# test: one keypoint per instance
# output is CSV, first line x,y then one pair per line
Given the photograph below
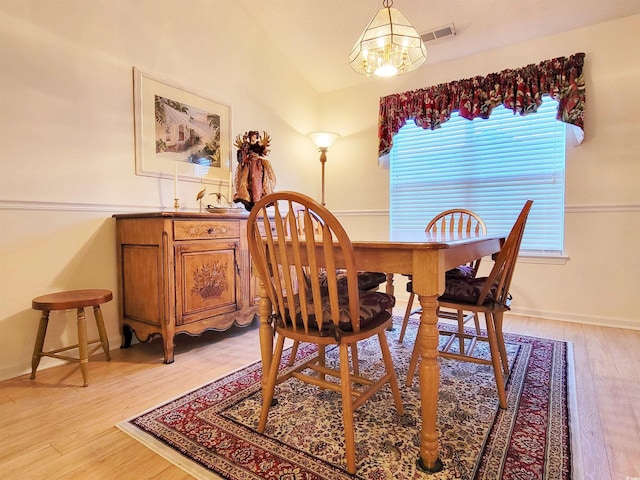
x,y
323,160
323,141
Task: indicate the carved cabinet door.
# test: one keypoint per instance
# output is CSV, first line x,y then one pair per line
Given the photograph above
x,y
207,280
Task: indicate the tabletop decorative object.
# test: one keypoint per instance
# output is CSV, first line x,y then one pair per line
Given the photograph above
x,y
223,204
255,177
200,195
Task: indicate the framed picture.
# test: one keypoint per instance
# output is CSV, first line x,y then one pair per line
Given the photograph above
x,y
180,134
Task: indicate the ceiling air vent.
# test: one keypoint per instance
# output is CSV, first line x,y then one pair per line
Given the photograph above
x,y
439,32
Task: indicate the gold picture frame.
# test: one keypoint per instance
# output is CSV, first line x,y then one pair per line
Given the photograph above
x,y
180,134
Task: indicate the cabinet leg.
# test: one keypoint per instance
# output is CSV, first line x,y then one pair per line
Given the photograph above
x,y
168,349
127,335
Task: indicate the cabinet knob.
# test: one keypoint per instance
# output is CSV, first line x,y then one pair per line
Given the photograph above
x,y
221,230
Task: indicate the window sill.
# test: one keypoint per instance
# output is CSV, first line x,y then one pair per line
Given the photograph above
x,y
558,259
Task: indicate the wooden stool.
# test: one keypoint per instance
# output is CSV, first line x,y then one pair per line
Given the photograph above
x,y
65,301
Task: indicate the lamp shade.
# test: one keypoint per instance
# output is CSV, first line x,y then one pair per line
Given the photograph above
x,y
388,46
323,139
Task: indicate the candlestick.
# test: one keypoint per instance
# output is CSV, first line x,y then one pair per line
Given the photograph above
x,y
175,180
230,183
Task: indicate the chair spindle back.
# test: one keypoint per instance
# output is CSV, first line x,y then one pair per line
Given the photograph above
x,y
291,241
458,223
505,263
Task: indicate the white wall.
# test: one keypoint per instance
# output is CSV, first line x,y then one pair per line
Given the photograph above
x,y
599,283
67,147
67,150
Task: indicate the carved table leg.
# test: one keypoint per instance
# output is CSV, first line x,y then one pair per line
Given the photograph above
x,y
429,372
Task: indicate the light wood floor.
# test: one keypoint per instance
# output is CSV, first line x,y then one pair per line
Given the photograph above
x,y
53,428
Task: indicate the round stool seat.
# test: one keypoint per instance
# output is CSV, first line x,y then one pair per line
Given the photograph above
x,y
78,299
71,299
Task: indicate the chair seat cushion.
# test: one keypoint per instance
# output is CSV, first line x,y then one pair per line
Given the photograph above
x,y
372,304
366,280
467,290
461,271
370,280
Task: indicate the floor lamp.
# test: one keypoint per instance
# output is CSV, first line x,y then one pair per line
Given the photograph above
x,y
323,141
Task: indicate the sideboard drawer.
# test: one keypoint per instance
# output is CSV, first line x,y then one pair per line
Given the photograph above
x,y
202,230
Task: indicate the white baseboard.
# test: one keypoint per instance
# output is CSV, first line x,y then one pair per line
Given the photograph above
x,y
615,322
402,297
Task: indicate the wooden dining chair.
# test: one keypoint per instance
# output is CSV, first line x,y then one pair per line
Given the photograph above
x,y
366,280
490,296
449,224
290,258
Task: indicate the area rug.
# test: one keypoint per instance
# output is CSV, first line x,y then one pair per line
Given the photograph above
x,y
210,432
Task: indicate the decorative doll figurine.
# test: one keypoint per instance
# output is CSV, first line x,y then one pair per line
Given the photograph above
x,y
254,176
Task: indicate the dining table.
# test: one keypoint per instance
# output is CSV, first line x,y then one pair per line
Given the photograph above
x,y
426,258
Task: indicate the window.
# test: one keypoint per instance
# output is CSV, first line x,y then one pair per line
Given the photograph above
x,y
489,166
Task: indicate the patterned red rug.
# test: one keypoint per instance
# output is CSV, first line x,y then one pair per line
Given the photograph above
x,y
210,432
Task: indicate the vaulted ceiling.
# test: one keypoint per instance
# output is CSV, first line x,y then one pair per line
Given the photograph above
x,y
317,35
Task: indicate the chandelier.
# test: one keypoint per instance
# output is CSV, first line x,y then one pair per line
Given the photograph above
x,y
388,46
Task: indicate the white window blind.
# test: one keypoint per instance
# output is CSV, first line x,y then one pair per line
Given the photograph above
x,y
488,166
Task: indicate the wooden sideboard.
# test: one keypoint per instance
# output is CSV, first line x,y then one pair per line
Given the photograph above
x,y
183,273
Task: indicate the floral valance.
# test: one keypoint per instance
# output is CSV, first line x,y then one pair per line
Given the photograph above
x,y
520,90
